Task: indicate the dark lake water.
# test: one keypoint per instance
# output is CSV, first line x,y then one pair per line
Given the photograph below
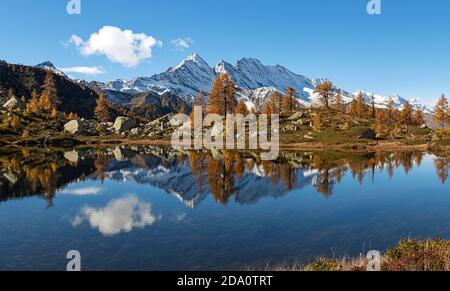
x,y
151,208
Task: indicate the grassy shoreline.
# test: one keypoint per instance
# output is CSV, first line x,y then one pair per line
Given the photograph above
x,y
407,255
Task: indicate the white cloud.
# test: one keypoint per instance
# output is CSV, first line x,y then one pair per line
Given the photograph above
x,y
84,70
119,46
83,191
121,215
76,40
182,44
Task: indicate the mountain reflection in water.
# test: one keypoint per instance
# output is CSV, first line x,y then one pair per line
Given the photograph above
x,y
192,176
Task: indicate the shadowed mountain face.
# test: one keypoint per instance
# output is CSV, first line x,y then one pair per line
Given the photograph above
x,y
24,79
193,176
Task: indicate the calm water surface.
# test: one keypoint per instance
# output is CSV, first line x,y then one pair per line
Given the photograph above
x,y
154,209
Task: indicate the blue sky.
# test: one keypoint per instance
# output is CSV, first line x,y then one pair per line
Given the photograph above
x,y
405,50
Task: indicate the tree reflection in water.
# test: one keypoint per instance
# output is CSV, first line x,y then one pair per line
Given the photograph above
x,y
226,175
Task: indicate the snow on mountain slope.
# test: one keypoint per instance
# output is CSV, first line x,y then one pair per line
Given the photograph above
x,y
185,80
398,101
255,83
256,98
188,78
252,74
50,67
193,74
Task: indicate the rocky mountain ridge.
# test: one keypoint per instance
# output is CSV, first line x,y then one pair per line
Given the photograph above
x,y
254,80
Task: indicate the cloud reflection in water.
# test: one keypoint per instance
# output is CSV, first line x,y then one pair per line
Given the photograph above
x,y
118,216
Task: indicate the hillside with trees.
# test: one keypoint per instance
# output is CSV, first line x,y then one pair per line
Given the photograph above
x,y
64,94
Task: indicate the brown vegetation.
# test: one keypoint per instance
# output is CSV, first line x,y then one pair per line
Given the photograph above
x,y
408,255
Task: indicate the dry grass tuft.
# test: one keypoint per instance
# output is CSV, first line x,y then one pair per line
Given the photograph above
x,y
408,255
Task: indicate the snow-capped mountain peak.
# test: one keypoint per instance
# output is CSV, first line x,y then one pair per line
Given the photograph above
x,y
251,74
193,59
50,67
45,65
196,59
249,63
223,67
